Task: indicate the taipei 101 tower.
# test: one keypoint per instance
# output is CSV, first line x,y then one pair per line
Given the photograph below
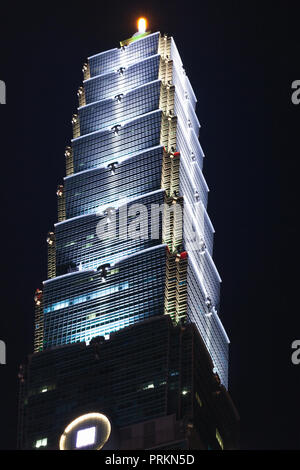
x,y
130,351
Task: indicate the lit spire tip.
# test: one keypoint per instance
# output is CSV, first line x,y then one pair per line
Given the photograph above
x,y
142,25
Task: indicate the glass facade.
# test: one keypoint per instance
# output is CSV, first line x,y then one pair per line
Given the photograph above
x,y
81,305
77,243
125,56
142,377
122,107
92,150
108,85
135,142
127,323
133,176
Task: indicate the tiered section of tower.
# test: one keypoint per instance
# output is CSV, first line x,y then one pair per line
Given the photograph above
x,y
135,141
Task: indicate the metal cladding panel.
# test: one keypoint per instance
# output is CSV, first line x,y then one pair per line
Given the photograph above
x,y
189,145
120,108
95,149
78,244
192,184
180,78
195,215
124,57
80,306
209,325
186,113
206,270
110,84
140,174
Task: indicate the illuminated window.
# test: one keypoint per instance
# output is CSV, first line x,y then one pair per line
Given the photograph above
x,y
114,271
83,298
219,439
46,388
146,387
91,316
86,437
41,443
198,399
174,373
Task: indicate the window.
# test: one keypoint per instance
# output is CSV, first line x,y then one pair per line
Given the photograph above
x,y
86,437
199,401
41,443
147,386
46,388
219,439
91,316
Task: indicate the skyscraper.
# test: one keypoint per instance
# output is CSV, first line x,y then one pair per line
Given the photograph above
x,y
131,279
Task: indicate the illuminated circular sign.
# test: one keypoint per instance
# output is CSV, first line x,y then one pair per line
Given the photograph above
x,y
87,432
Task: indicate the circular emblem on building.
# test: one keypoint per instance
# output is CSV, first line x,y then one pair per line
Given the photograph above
x,y
87,432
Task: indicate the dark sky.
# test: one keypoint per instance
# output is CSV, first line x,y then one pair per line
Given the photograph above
x,y
241,58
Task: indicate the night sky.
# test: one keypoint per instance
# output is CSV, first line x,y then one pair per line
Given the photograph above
x,y
241,58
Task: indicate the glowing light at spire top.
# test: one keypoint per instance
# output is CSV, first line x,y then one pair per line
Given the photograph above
x,y
142,25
